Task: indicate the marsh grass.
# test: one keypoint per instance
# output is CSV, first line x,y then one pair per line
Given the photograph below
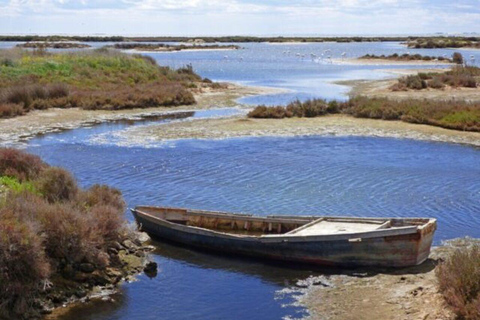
x,y
457,77
98,79
456,115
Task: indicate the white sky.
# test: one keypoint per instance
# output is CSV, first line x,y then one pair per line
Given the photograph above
x,y
238,17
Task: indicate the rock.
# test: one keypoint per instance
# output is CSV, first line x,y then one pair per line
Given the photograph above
x,y
130,246
114,274
112,250
143,237
140,254
147,248
87,267
150,269
81,293
116,245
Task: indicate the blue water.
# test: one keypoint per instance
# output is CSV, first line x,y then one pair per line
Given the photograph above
x,y
352,176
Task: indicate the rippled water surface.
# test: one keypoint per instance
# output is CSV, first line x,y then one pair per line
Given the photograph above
x,y
352,176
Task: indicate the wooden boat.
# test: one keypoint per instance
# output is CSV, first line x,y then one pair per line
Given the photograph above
x,y
341,241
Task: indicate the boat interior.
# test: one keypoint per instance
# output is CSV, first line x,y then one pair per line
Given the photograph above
x,y
246,224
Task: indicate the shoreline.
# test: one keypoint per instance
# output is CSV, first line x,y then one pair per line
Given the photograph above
x,y
329,125
381,88
407,293
383,62
23,128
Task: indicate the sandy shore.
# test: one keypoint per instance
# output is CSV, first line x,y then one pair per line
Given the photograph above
x,y
381,88
54,120
382,62
331,125
408,293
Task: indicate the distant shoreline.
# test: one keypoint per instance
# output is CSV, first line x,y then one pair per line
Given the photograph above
x,y
236,39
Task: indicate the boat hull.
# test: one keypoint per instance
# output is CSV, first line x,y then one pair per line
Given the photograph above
x,y
383,251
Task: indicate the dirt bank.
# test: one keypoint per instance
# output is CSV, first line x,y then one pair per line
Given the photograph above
x,y
53,120
381,88
409,293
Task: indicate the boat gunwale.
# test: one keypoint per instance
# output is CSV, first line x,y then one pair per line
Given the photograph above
x,y
380,233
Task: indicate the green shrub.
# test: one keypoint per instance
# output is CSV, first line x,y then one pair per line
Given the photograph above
x,y
14,185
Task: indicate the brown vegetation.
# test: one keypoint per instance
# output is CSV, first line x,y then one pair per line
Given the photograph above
x,y
459,76
101,79
53,45
53,233
456,115
459,281
406,57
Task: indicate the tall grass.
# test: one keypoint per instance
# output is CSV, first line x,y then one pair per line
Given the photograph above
x,y
98,79
49,227
456,115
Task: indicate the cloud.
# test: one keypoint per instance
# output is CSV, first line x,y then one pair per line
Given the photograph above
x,y
239,16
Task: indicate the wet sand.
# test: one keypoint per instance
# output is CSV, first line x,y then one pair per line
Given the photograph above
x,y
331,125
53,120
408,293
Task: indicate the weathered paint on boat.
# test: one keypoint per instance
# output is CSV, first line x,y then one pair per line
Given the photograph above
x,y
395,243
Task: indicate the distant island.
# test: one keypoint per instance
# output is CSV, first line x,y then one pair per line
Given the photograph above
x,y
53,45
427,42
444,42
407,57
161,47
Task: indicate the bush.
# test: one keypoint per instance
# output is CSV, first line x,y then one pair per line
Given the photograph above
x,y
23,262
8,110
19,164
414,82
57,184
49,229
459,281
457,58
102,195
436,83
